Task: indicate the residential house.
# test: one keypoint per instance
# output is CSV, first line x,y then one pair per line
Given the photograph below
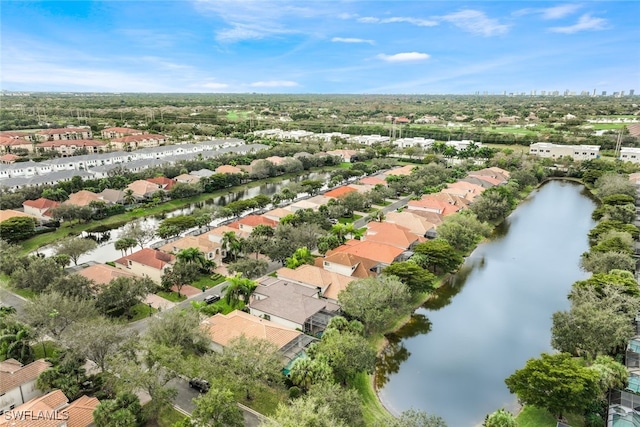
x,y
440,203
15,135
373,180
20,169
203,173
345,155
134,142
164,182
18,382
111,196
338,192
63,134
276,160
8,159
6,214
143,189
249,222
291,305
216,235
40,208
11,144
501,175
103,274
82,198
116,132
329,282
414,222
146,263
479,182
69,147
224,328
211,249
348,264
414,142
186,178
392,234
277,214
52,410
229,169
464,189
370,139
381,253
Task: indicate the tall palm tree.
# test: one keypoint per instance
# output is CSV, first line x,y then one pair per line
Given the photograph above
x,y
128,197
192,256
15,343
239,289
352,231
231,243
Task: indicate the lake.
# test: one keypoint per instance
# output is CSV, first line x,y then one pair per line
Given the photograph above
x,y
451,359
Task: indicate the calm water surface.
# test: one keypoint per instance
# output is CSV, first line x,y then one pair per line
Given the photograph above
x,y
495,314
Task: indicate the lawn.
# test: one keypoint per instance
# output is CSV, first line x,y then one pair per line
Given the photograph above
x,y
140,311
171,296
167,418
605,126
264,400
209,281
531,416
373,411
345,220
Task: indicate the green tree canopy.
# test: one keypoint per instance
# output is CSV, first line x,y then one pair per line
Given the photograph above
x,y
441,257
75,247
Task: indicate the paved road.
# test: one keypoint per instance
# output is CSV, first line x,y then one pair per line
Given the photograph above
x,y
184,402
9,298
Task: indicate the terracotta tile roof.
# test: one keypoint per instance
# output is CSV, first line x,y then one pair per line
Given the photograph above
x,y
331,283
10,213
634,129
468,186
496,173
401,120
224,328
475,180
9,158
12,376
429,216
82,198
361,267
201,242
8,142
433,205
149,257
30,412
411,220
276,160
10,134
277,213
255,220
218,232
374,251
111,195
70,142
41,203
164,182
141,187
122,130
62,130
391,234
373,180
228,169
339,192
102,274
81,411
491,180
185,177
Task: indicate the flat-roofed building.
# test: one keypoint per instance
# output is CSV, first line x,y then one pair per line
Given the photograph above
x,y
630,154
548,150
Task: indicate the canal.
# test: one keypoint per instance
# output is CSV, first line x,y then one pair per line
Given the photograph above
x,y
106,250
451,359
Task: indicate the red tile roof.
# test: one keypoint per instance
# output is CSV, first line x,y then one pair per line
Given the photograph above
x,y
7,141
63,130
76,142
164,182
12,374
41,203
134,138
374,251
149,257
339,192
9,158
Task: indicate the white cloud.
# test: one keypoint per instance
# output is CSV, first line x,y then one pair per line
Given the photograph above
x,y
476,22
215,85
555,12
274,83
351,40
398,19
585,23
404,57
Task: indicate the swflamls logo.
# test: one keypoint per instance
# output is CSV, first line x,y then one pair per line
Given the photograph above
x,y
29,415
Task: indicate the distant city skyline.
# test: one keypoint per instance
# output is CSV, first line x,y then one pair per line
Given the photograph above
x,y
320,46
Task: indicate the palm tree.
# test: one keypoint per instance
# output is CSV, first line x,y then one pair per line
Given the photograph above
x,y
231,244
128,197
339,230
15,343
193,256
240,288
353,232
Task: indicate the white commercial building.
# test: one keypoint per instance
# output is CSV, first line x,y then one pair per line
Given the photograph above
x,y
630,154
554,151
463,145
414,142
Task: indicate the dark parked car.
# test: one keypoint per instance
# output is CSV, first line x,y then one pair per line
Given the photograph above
x,y
210,299
199,384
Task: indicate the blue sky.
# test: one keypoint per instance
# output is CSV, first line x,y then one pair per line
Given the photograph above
x,y
312,46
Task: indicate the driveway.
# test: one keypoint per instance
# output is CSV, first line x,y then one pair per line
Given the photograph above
x,y
184,402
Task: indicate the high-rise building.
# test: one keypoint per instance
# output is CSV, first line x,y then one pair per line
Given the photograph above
x,y
604,93
632,92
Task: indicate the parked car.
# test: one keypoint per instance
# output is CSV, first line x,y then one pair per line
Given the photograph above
x,y
210,299
199,384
